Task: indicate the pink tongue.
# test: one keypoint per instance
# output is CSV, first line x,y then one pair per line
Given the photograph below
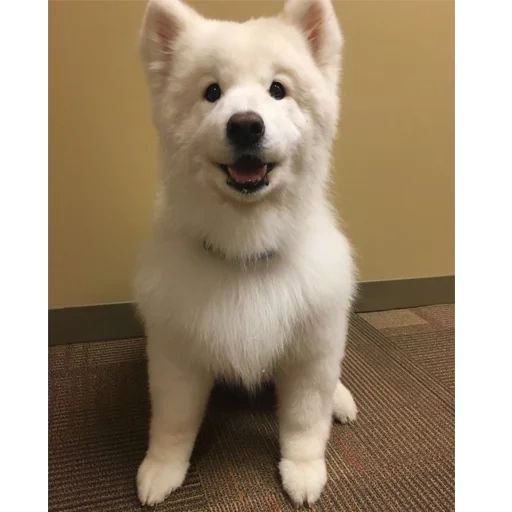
x,y
247,175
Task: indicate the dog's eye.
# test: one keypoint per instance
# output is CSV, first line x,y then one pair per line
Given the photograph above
x,y
212,93
277,90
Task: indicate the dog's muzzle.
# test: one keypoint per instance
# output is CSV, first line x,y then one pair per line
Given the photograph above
x,y
248,174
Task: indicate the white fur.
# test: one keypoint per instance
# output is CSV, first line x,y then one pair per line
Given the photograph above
x,y
345,409
221,314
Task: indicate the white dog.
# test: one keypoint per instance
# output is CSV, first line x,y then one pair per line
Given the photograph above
x,y
245,275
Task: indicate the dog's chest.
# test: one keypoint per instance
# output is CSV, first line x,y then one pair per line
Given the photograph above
x,y
240,322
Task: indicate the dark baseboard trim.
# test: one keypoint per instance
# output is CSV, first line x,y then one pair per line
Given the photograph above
x,y
405,293
93,323
119,320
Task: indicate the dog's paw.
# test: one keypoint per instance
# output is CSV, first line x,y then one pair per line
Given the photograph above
x,y
157,479
345,409
303,480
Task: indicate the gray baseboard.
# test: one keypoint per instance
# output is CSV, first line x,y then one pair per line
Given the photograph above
x,y
93,323
116,321
405,293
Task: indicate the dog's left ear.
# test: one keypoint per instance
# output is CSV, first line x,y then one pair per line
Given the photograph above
x,y
317,21
164,21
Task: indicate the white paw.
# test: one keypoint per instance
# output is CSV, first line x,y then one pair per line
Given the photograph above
x,y
345,409
157,479
303,480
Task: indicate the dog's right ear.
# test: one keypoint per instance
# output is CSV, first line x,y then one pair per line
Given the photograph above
x,y
163,22
316,20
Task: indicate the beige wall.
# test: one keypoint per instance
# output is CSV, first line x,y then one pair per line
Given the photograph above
x,y
394,178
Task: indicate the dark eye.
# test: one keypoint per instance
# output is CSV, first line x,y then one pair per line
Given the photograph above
x,y
277,90
212,93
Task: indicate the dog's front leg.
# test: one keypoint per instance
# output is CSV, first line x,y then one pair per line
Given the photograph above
x,y
179,396
305,397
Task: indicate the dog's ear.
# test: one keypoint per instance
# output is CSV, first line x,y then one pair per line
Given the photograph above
x,y
163,22
317,21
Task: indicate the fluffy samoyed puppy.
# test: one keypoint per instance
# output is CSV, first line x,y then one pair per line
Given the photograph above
x,y
245,275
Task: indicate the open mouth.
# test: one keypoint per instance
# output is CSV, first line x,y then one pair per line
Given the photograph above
x,y
247,174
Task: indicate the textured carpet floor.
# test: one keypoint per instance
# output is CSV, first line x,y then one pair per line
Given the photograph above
x,y
398,456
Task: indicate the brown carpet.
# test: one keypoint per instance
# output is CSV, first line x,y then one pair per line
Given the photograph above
x,y
398,456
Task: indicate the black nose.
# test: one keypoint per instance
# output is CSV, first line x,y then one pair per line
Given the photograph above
x,y
245,128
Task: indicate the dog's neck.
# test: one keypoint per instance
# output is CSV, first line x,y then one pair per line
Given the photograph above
x,y
240,260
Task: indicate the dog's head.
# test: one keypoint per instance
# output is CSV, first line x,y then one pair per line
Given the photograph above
x,y
246,112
